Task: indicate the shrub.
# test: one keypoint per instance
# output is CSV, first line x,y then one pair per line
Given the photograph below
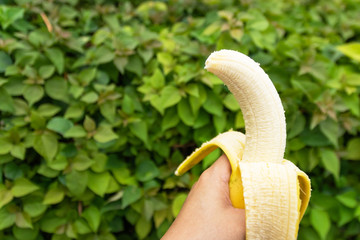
x,y
101,100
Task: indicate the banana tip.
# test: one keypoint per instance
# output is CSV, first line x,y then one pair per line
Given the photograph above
x,y
224,54
216,55
207,64
209,61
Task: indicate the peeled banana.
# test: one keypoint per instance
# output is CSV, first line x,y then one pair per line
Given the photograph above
x,y
272,190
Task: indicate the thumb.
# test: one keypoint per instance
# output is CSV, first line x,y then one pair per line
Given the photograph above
x,y
221,169
219,175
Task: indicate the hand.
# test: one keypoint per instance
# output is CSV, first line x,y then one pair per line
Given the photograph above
x,y
207,212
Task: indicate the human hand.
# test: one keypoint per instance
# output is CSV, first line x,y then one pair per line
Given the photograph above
x,y
207,212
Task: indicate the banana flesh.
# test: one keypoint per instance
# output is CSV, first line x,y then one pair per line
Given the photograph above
x,y
272,190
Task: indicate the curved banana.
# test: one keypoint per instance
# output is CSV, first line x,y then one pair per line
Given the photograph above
x,y
273,191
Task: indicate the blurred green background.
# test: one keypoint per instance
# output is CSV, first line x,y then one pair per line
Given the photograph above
x,y
101,100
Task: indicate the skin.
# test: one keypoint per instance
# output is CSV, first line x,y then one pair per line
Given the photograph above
x,y
207,212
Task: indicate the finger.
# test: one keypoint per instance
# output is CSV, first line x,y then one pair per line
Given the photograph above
x,y
221,169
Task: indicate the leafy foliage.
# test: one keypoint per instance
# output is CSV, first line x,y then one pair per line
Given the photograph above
x,y
101,100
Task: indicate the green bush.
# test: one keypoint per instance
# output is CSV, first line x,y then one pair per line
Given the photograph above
x,y
101,100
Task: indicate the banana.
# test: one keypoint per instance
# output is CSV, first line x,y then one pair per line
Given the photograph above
x,y
272,190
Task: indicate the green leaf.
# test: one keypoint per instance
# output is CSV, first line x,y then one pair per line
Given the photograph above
x,y
146,171
103,55
128,105
314,138
298,125
47,171
353,149
331,161
22,187
33,206
346,215
157,103
56,56
170,96
348,199
140,130
46,71
146,54
76,182
202,119
86,76
100,36
330,129
120,63
48,110
21,107
82,227
193,90
6,146
18,151
99,182
12,171
3,160
220,123
105,134
6,102
100,160
352,102
167,60
159,217
93,217
257,21
54,196
59,125
40,38
7,219
171,119
59,163
23,220
148,210
50,223
185,113
131,195
108,110
74,111
231,103
113,186
6,196
123,176
90,97
75,132
37,122
9,14
25,233
5,61
213,104
57,88
352,50
135,65
157,80
76,91
352,79
177,203
143,227
309,88
81,162
46,145
320,220
89,124
295,144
